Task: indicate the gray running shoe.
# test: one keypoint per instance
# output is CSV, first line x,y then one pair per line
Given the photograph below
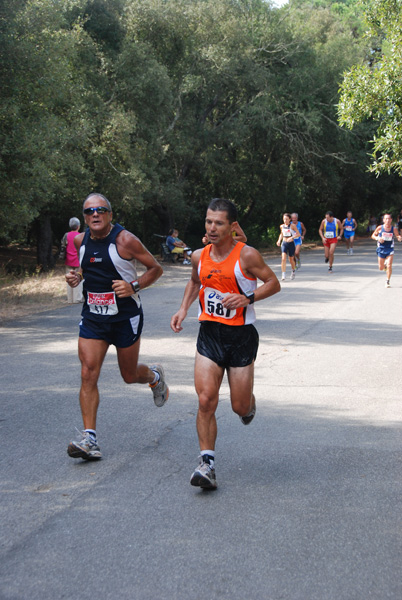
x,y
204,476
160,390
246,420
87,448
387,284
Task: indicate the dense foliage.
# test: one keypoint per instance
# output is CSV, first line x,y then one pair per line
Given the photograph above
x,y
373,90
163,104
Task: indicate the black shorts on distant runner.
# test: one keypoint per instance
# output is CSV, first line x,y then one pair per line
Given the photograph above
x,y
228,345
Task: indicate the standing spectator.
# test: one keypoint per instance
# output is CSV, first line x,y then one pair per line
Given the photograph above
x,y
69,253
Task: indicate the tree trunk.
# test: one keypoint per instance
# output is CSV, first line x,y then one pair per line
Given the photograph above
x,y
45,259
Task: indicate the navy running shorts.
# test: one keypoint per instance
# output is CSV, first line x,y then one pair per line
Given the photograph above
x,y
121,334
228,345
385,252
288,248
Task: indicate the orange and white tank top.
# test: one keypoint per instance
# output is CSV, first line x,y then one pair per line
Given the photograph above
x,y
218,279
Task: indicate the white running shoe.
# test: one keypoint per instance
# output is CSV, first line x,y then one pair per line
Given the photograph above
x,y
293,275
204,476
159,389
87,448
283,277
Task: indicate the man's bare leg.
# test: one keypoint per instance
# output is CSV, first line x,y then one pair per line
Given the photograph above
x,y
91,354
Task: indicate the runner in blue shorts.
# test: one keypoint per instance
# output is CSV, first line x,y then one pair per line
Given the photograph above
x,y
111,314
385,235
286,241
349,229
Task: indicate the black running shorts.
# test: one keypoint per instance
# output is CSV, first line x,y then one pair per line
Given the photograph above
x,y
228,345
121,334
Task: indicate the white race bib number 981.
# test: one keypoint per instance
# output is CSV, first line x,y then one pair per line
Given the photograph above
x,y
103,303
214,304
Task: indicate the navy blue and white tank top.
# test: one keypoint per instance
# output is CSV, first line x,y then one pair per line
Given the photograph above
x,y
387,236
101,263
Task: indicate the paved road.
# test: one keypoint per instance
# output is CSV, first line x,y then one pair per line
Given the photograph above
x,y
310,496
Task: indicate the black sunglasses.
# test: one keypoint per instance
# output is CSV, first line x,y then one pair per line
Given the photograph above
x,y
99,209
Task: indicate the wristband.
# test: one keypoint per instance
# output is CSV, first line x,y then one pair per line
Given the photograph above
x,y
250,296
81,276
135,285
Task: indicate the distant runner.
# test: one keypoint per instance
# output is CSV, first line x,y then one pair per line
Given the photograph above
x,y
349,228
286,240
298,241
385,235
331,233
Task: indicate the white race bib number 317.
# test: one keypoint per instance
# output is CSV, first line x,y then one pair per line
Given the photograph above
x,y
103,303
214,304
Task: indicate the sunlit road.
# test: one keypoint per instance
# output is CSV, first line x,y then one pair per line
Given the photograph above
x,y
309,501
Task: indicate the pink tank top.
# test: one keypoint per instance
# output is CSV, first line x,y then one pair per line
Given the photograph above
x,y
71,251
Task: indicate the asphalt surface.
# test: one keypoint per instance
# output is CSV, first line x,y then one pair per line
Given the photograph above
x,y
309,501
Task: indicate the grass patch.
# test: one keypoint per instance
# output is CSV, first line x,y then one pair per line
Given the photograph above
x,y
25,293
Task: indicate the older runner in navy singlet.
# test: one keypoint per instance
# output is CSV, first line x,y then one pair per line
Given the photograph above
x,y
111,314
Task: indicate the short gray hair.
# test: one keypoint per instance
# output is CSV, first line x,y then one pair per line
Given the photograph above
x,y
98,196
74,223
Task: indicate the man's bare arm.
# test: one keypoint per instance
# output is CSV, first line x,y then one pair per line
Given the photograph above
x,y
190,294
131,248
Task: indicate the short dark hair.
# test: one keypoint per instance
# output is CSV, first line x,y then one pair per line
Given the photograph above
x,y
329,213
99,196
225,206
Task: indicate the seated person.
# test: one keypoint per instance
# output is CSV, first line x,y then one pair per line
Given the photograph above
x,y
176,246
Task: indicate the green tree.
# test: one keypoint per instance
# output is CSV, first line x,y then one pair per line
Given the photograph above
x,y
372,90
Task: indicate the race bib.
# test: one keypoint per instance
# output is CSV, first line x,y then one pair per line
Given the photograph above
x,y
329,234
286,232
213,304
349,228
103,303
387,236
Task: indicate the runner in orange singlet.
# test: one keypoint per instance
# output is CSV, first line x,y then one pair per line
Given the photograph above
x,y
224,279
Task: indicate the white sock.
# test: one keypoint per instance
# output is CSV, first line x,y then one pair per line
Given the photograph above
x,y
156,379
92,432
211,456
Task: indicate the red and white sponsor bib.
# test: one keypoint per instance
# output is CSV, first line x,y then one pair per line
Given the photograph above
x,y
102,303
